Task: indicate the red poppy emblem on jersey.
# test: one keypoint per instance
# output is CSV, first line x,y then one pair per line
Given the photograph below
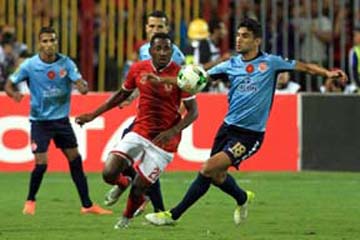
x,y
249,68
51,75
63,72
262,67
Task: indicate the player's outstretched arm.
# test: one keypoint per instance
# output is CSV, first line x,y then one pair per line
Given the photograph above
x,y
190,116
112,102
12,91
315,69
82,86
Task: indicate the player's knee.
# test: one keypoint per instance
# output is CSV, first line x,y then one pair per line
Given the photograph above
x,y
108,177
219,178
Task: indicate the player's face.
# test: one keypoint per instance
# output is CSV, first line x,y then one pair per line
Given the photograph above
x,y
245,41
161,52
48,43
156,25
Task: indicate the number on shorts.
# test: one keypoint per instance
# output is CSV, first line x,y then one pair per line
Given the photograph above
x,y
155,173
238,149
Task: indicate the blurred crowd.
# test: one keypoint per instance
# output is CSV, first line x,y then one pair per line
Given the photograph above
x,y
324,32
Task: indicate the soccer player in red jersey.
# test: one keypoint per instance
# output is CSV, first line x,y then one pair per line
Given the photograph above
x,y
157,127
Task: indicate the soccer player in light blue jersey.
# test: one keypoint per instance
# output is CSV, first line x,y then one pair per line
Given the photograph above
x,y
252,74
50,76
158,22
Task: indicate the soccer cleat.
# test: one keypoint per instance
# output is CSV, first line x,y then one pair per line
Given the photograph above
x,y
113,195
95,209
122,223
160,218
29,208
241,212
142,207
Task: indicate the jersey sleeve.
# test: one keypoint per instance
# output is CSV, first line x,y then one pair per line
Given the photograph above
x,y
130,81
218,69
73,71
178,56
21,73
280,63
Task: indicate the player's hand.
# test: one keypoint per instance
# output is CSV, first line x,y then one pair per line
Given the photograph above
x,y
164,136
337,74
84,118
17,96
124,104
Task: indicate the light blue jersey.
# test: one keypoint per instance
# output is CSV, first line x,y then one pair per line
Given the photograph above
x,y
177,55
50,85
252,87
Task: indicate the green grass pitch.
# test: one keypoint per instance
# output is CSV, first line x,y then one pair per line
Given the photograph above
x,y
294,206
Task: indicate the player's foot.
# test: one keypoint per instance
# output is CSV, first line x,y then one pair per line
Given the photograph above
x,y
122,223
29,208
160,218
95,209
113,195
142,207
241,212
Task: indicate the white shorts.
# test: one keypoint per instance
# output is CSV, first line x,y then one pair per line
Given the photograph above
x,y
152,159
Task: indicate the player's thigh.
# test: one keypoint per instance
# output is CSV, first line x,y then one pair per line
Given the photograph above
x,y
216,165
41,134
124,153
64,137
153,163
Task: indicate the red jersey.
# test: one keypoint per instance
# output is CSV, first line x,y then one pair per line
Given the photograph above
x,y
159,103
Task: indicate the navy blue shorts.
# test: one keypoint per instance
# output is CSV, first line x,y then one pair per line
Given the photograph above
x,y
238,143
59,130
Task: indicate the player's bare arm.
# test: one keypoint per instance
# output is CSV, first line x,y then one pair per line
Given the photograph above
x,y
190,116
12,91
82,86
315,69
112,102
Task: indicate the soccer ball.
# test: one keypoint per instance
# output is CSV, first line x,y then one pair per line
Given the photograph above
x,y
192,78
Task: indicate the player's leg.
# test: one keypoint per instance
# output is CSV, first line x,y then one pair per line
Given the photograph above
x,y
40,139
119,166
79,178
152,164
135,200
65,139
217,164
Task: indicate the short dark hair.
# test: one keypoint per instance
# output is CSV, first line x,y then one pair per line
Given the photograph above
x,y
47,29
158,14
252,25
159,36
214,24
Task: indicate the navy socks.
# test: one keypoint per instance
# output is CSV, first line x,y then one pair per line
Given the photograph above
x,y
79,178
197,189
230,187
35,180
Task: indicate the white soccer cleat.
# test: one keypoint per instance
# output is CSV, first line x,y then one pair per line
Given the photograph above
x,y
241,212
113,195
122,223
160,218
